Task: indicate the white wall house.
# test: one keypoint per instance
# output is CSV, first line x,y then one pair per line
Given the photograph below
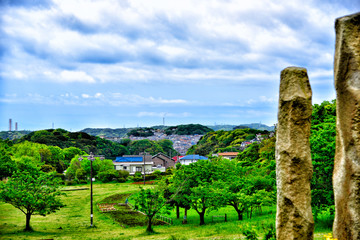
x,y
133,164
186,160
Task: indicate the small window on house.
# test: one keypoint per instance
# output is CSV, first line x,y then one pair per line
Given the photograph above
x,y
138,169
124,168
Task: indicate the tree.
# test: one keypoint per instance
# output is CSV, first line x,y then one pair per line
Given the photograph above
x,y
32,191
245,187
322,143
200,189
7,166
150,202
138,146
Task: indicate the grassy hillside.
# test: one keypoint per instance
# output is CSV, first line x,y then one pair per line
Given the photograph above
x,y
81,140
72,221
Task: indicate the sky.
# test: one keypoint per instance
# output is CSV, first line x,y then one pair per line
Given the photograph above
x,y
75,64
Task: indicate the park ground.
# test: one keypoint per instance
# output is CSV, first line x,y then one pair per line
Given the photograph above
x,y
73,221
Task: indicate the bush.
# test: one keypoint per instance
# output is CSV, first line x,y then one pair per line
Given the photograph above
x,y
121,180
80,174
107,176
123,174
138,177
157,174
250,234
82,181
69,183
47,168
61,176
271,233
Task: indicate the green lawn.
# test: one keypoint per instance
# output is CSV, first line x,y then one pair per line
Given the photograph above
x,y
72,221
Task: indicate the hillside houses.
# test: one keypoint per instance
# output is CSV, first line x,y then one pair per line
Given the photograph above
x,y
188,159
181,143
137,163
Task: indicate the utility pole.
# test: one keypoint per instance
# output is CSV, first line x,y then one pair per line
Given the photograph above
x,y
144,165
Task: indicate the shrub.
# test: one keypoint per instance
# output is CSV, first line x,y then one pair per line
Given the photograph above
x,y
138,177
80,174
250,234
123,174
271,233
69,183
47,168
61,176
107,176
121,180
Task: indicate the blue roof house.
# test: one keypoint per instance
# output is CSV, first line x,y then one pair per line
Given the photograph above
x,y
186,160
134,164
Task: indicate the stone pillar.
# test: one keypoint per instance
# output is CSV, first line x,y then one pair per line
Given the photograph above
x,y
294,218
346,178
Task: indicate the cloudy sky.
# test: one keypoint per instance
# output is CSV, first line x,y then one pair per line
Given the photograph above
x,y
116,63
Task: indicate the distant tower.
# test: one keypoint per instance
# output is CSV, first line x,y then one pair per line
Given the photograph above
x,y
52,125
163,121
10,124
16,126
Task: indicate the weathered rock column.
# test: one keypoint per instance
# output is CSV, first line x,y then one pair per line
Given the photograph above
x,y
294,218
346,178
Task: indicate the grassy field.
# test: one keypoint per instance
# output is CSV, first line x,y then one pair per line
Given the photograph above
x,y
72,221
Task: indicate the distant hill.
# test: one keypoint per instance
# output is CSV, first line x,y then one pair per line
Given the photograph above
x,y
107,132
224,141
13,134
257,126
222,127
188,129
64,139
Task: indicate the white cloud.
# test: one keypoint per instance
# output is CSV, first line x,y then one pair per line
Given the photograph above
x,y
76,76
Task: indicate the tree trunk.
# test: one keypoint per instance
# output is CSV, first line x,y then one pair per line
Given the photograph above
x,y
28,228
185,217
202,217
177,211
149,226
239,212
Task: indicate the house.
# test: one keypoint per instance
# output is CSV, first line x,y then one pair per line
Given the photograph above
x,y
228,155
186,160
162,160
177,158
134,163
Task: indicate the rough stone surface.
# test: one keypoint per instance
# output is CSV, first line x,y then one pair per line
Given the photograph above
x,y
294,218
346,178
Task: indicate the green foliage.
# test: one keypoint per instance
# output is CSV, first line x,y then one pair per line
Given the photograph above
x,y
189,129
80,174
70,153
322,143
108,175
150,202
138,177
7,165
249,155
250,234
123,174
13,134
139,146
167,147
107,132
81,140
141,132
199,187
270,234
75,164
220,141
32,191
47,168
